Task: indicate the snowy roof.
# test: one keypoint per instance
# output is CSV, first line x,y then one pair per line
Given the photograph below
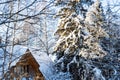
x,y
45,62
39,56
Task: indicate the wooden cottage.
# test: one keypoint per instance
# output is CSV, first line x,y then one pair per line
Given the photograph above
x,y
27,68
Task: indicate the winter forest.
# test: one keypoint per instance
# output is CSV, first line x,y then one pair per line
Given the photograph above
x,y
69,39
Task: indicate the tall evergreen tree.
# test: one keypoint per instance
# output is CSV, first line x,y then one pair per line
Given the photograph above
x,y
68,28
75,33
93,23
79,37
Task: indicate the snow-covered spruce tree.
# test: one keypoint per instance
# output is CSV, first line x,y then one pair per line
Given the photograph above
x,y
79,40
68,29
74,34
93,23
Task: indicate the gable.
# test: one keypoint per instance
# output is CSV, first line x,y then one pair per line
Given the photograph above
x,y
26,67
28,58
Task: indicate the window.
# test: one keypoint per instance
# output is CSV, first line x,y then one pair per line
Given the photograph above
x,y
27,68
24,69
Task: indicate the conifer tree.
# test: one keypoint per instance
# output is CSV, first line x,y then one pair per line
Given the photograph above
x,y
79,43
68,29
94,22
76,34
79,39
